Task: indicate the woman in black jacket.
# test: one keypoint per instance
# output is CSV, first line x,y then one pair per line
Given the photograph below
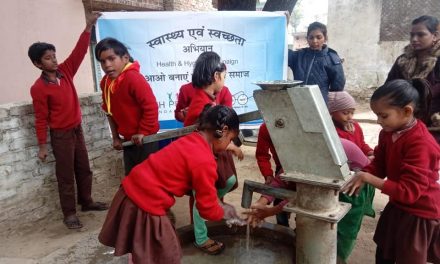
x,y
318,64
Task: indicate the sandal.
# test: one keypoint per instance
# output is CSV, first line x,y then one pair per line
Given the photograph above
x,y
95,206
72,222
211,247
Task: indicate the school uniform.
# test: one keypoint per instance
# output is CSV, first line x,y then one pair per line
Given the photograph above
x,y
408,230
226,167
227,174
136,222
56,106
187,91
130,101
357,137
264,145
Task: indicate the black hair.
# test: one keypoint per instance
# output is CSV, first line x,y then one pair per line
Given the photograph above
x,y
207,64
111,43
402,92
317,25
430,22
214,118
37,50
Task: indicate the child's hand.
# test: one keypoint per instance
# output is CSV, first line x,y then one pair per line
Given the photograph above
x,y
137,139
236,151
268,179
184,111
117,143
355,184
42,152
349,127
229,211
91,20
259,213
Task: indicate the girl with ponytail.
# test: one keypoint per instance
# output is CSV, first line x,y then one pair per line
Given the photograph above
x,y
407,155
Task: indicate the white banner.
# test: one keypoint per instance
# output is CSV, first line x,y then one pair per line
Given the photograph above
x,y
166,44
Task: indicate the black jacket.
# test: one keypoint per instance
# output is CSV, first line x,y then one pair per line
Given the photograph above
x,y
323,67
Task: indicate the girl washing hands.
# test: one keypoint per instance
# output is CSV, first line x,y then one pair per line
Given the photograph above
x,y
407,155
137,223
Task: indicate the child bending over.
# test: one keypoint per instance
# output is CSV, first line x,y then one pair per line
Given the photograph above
x,y
137,223
209,78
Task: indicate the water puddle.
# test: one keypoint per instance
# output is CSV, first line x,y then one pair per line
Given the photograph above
x,y
240,250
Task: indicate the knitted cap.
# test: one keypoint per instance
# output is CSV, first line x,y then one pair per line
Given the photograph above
x,y
338,101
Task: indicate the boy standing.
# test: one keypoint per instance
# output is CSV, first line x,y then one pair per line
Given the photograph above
x,y
56,106
128,101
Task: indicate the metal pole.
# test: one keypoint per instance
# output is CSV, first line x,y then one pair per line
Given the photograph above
x,y
315,238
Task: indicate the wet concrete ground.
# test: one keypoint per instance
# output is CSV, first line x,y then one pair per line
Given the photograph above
x,y
49,242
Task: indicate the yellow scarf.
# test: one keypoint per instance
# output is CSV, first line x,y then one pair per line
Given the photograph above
x,y
109,89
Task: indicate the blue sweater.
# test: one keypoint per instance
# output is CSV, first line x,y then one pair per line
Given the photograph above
x,y
323,67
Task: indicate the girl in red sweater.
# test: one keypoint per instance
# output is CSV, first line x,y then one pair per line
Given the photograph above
x,y
128,101
341,106
208,79
407,155
137,223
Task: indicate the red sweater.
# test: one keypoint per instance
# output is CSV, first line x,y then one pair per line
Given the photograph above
x,y
153,184
264,145
200,99
357,137
133,105
411,165
187,91
56,104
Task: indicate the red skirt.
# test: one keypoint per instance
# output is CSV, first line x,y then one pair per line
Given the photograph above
x,y
127,228
407,238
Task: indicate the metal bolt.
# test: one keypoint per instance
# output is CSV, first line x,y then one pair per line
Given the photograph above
x,y
331,215
335,181
279,123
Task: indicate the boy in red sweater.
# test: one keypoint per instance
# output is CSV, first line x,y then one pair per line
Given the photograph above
x,y
186,93
405,168
128,101
56,106
263,155
341,106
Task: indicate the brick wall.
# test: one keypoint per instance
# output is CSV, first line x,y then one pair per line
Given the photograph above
x,y
139,5
28,187
127,5
185,5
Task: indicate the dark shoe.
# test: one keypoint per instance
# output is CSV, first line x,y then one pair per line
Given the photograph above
x,y
72,222
95,206
211,247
